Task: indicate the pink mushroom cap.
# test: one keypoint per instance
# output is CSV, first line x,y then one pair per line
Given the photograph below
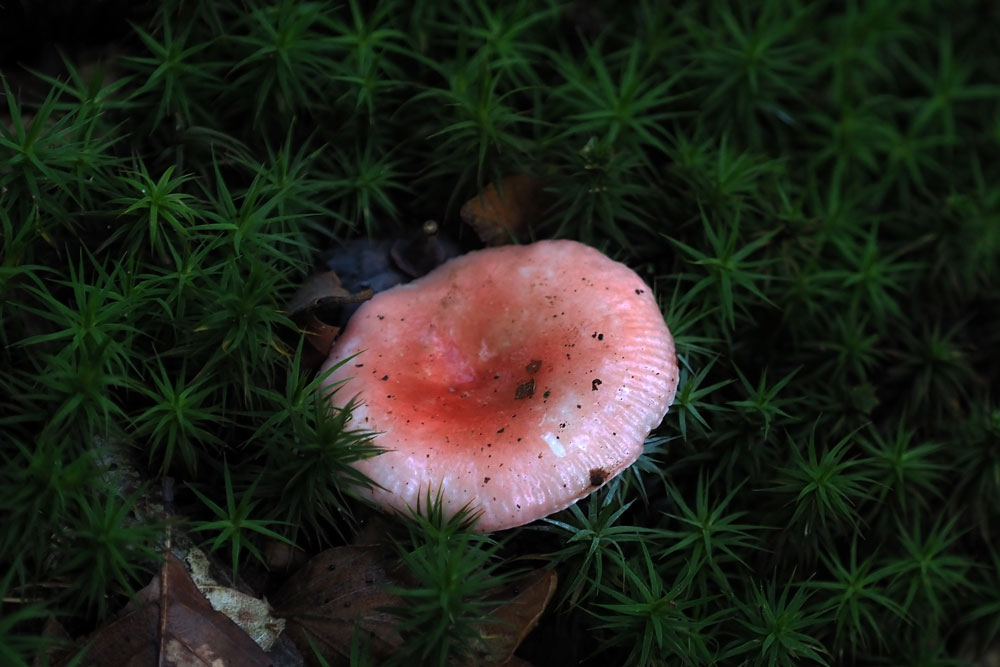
x,y
515,380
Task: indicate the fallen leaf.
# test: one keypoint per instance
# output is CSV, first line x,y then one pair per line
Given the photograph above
x,y
516,662
337,591
321,290
520,605
252,614
314,307
505,213
171,623
282,558
320,337
344,589
61,642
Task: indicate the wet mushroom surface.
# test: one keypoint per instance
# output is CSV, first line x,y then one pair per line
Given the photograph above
x,y
514,379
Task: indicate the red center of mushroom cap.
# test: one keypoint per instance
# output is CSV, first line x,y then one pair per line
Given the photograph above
x,y
517,379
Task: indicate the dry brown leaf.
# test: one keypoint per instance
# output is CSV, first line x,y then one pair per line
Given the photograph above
x,y
345,588
314,289
323,290
61,639
521,604
516,662
252,614
171,623
336,591
312,307
320,336
505,213
283,558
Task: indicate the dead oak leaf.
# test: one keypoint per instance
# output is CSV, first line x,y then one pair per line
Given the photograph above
x,y
519,606
345,590
323,290
313,307
252,614
170,623
507,211
337,591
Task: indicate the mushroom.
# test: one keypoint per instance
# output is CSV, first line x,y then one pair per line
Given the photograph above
x,y
513,380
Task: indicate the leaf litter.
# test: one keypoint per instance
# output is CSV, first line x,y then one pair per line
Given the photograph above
x,y
187,618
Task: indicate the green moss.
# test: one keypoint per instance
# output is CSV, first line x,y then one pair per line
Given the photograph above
x,y
810,187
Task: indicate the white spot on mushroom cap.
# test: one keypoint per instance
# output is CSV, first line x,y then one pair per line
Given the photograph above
x,y
608,373
554,444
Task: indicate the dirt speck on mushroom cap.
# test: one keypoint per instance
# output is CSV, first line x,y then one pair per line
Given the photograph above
x,y
443,364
